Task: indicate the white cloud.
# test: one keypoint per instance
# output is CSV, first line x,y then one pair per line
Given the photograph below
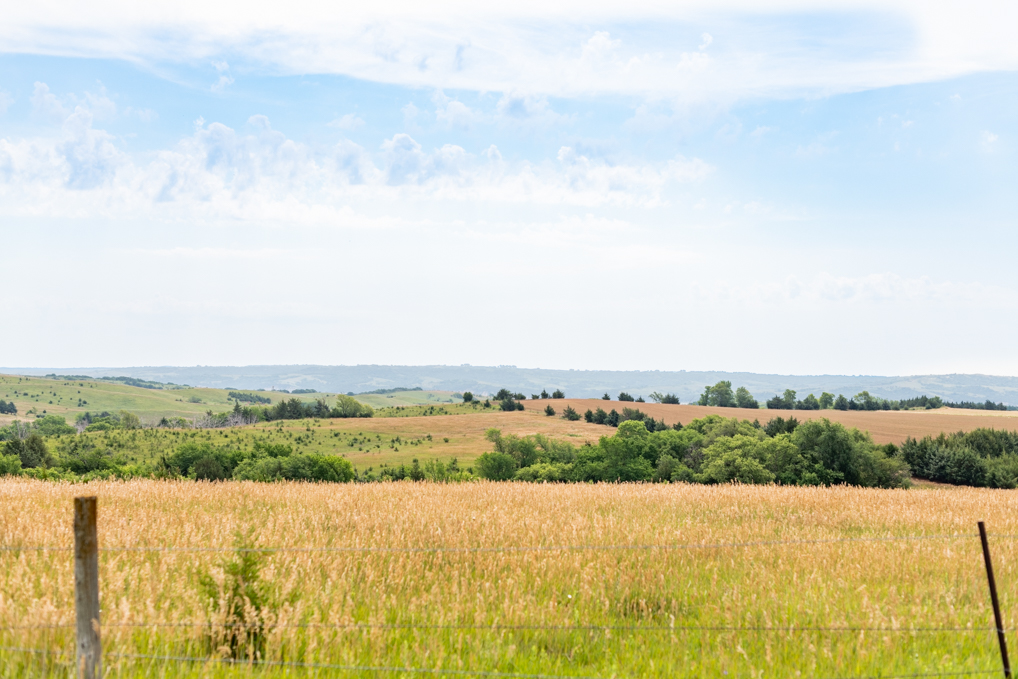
x,y
453,113
46,105
262,174
350,121
586,49
521,109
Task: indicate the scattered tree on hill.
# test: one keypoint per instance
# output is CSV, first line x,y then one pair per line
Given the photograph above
x,y
606,397
549,411
623,396
658,397
719,395
744,399
558,393
544,393
468,397
569,414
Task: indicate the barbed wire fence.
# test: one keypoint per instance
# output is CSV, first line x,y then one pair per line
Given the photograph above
x,y
89,655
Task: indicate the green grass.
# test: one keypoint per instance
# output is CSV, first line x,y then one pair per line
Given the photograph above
x,y
38,395
407,398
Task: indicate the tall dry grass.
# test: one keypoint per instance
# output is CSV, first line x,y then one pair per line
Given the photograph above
x,y
639,603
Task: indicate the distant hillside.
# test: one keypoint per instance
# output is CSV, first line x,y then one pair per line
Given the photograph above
x,y
575,383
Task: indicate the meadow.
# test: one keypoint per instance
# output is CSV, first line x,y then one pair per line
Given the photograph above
x,y
605,580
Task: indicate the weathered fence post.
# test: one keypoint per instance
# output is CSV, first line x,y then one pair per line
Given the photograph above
x,y
993,599
86,588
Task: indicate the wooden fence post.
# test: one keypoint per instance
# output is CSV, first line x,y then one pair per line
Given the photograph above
x,y
993,599
86,588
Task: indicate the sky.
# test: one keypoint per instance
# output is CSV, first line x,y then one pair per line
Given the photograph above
x,y
778,186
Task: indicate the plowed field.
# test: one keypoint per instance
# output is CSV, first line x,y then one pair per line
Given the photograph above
x,y
884,426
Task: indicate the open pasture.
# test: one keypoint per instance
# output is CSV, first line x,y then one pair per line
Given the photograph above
x,y
585,580
67,398
885,426
398,438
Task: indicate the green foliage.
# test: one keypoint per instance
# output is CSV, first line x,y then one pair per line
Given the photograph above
x,y
245,397
983,457
658,397
238,601
744,399
606,397
826,401
31,451
568,414
10,465
507,404
496,466
808,403
623,396
52,425
558,393
720,395
549,411
779,425
468,397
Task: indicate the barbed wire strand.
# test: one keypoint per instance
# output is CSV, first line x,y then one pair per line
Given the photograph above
x,y
536,548
522,628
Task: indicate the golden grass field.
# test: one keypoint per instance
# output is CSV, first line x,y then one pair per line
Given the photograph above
x,y
620,612
885,426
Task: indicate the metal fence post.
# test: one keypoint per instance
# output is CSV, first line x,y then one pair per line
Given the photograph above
x,y
993,599
86,588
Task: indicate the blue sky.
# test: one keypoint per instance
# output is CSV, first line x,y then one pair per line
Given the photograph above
x,y
776,187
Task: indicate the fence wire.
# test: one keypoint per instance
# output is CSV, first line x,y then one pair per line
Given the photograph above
x,y
534,548
521,628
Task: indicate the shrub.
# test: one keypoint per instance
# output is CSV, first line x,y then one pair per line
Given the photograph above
x,y
496,466
237,603
549,411
507,404
589,415
606,397
467,397
10,465
623,396
779,425
569,414
558,393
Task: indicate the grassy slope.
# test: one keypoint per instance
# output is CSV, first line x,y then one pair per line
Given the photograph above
x,y
60,397
406,398
366,442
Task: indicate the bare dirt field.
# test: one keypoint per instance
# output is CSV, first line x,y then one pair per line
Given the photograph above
x,y
884,426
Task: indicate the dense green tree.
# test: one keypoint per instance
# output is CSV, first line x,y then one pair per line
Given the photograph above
x,y
496,466
826,401
570,414
468,397
558,393
550,412
744,399
808,403
719,395
623,396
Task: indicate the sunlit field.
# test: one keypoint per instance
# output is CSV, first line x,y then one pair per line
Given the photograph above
x,y
581,580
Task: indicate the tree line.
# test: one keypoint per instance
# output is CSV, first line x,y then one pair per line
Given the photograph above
x,y
711,449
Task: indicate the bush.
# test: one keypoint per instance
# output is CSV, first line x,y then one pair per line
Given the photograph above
x,y
623,396
558,393
779,425
32,451
569,414
496,466
467,397
10,465
549,411
507,404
